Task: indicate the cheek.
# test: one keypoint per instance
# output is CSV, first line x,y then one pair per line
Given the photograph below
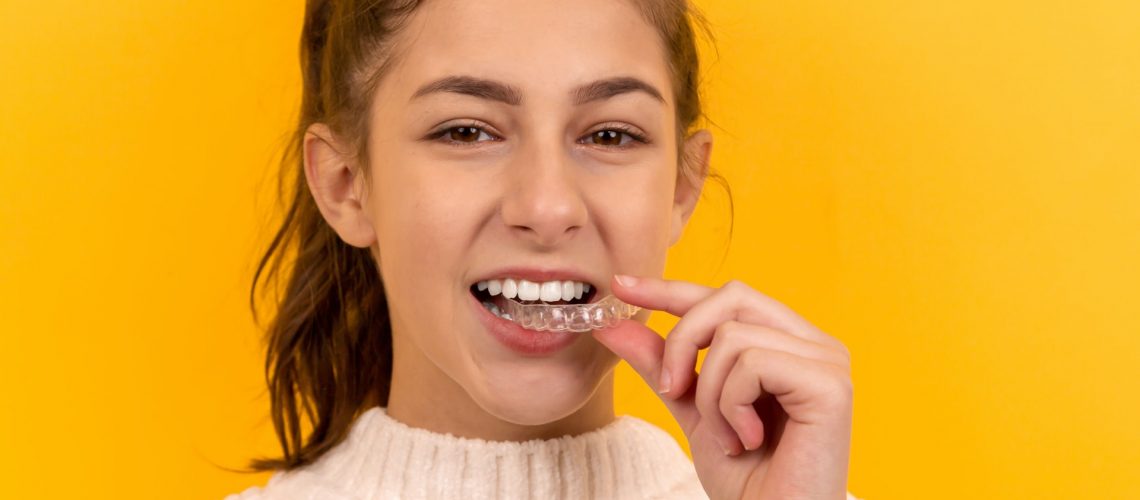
x,y
634,218
421,232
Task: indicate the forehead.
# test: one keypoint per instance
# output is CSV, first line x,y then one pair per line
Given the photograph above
x,y
544,48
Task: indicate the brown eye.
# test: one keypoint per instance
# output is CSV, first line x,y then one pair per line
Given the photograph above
x,y
463,134
608,138
611,138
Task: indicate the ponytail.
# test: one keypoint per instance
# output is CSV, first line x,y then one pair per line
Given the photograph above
x,y
329,345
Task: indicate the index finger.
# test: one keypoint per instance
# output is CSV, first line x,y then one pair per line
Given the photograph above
x,y
744,304
675,297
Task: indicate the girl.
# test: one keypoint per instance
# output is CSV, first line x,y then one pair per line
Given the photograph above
x,y
453,153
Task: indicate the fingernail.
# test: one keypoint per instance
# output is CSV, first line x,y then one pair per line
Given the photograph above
x,y
727,450
625,279
663,384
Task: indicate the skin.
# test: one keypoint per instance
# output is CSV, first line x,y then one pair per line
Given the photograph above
x,y
539,184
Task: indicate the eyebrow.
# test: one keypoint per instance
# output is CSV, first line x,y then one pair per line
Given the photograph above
x,y
508,94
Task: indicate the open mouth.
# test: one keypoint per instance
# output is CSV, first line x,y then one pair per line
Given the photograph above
x,y
493,294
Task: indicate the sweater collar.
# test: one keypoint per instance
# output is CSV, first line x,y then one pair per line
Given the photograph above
x,y
385,458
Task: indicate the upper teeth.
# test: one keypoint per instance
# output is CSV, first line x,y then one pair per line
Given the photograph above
x,y
550,291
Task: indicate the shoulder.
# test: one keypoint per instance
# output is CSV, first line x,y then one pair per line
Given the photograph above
x,y
314,481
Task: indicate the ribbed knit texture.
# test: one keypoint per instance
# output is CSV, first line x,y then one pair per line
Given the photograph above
x,y
383,458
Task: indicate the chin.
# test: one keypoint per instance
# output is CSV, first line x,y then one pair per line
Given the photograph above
x,y
536,401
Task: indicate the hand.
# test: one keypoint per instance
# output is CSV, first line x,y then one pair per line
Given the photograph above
x,y
769,415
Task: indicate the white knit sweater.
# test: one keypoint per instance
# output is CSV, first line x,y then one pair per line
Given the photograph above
x,y
382,458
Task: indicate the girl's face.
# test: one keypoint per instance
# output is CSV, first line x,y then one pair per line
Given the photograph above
x,y
520,164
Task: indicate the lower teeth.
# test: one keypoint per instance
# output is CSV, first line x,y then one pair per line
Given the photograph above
x,y
495,310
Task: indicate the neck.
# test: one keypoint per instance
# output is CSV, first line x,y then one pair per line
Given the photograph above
x,y
424,396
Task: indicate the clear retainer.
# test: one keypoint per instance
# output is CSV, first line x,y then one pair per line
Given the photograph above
x,y
569,317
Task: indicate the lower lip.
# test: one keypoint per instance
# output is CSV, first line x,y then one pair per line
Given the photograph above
x,y
519,339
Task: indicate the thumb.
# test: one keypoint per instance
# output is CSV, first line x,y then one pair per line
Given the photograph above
x,y
644,349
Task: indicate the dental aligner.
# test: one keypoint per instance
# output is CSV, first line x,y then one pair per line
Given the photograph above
x,y
604,313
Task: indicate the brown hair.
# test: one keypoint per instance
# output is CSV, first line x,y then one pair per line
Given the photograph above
x,y
329,347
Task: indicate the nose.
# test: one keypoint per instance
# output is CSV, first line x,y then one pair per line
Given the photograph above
x,y
543,202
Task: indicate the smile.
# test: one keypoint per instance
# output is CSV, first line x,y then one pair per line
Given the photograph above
x,y
555,306
493,294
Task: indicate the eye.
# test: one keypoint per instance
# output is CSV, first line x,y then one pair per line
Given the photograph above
x,y
611,137
468,134
463,135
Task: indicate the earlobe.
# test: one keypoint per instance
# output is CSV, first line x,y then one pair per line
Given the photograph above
x,y
334,184
691,175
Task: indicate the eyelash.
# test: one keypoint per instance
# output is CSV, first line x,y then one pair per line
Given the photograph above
x,y
625,129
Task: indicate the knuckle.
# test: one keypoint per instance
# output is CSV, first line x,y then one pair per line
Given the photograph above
x,y
729,331
735,285
845,350
840,348
753,358
840,387
844,353
740,295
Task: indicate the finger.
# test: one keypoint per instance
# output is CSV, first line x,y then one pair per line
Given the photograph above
x,y
728,340
719,360
732,302
641,347
675,297
672,296
742,388
751,306
809,391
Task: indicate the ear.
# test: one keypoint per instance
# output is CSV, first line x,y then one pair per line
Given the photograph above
x,y
695,159
336,184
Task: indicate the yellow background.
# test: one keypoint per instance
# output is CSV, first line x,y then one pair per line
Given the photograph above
x,y
948,187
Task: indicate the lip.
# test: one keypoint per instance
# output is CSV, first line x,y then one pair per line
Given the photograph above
x,y
539,275
525,342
